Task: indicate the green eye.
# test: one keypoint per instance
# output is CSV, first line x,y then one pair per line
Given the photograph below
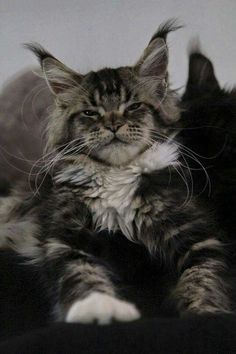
x,y
90,113
134,106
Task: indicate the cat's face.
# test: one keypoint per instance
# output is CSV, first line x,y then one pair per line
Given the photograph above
x,y
113,114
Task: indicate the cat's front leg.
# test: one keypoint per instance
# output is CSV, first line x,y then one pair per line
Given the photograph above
x,y
202,286
84,287
188,241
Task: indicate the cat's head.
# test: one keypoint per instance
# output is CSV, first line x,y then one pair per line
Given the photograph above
x,y
204,96
209,112
112,114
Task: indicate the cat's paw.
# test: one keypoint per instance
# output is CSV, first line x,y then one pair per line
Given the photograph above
x,y
101,308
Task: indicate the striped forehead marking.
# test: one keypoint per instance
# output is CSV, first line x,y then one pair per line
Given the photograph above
x,y
106,82
107,86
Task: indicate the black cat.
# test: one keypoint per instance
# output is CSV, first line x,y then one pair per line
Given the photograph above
x,y
209,113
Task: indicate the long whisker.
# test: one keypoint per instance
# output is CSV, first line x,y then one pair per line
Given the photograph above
x,y
188,149
190,154
59,157
208,181
186,184
46,166
190,175
25,100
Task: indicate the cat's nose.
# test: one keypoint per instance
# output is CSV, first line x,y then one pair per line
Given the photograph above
x,y
113,126
113,121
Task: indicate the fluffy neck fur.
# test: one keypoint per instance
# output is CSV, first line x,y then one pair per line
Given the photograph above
x,y
110,192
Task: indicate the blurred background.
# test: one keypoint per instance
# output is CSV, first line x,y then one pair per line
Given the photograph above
x,y
90,34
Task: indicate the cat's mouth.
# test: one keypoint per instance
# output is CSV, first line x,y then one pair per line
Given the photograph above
x,y
117,151
115,141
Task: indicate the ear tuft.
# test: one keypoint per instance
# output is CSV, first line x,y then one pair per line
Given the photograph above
x,y
165,28
194,46
57,75
39,51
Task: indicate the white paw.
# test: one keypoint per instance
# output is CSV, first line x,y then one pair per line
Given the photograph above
x,y
101,308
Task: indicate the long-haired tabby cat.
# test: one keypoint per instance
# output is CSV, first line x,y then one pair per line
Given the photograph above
x,y
116,167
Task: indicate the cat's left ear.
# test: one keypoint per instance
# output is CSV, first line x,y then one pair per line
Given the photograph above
x,y
152,73
58,76
154,60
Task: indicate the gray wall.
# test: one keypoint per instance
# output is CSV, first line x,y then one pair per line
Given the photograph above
x,y
89,34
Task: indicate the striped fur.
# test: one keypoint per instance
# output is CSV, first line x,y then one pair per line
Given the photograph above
x,y
116,166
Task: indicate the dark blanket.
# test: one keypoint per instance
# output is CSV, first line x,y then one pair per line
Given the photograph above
x,y
25,328
163,336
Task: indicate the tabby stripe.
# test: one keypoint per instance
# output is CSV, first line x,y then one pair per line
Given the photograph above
x,y
197,257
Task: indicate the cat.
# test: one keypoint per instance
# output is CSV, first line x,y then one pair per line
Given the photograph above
x,y
24,103
115,166
208,113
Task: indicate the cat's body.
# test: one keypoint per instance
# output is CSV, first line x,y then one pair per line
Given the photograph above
x,y
117,168
64,227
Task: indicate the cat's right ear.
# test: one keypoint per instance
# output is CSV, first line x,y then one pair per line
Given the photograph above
x,y
57,75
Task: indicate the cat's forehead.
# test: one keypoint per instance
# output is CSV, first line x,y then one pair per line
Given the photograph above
x,y
110,85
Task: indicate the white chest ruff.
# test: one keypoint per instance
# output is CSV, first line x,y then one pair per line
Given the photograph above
x,y
111,195
114,207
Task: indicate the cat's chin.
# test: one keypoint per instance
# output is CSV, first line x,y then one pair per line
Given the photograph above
x,y
118,154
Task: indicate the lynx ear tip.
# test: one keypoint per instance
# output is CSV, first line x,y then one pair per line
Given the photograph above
x,y
38,50
196,53
194,46
171,25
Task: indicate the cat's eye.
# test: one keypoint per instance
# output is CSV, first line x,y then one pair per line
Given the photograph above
x,y
134,106
90,113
